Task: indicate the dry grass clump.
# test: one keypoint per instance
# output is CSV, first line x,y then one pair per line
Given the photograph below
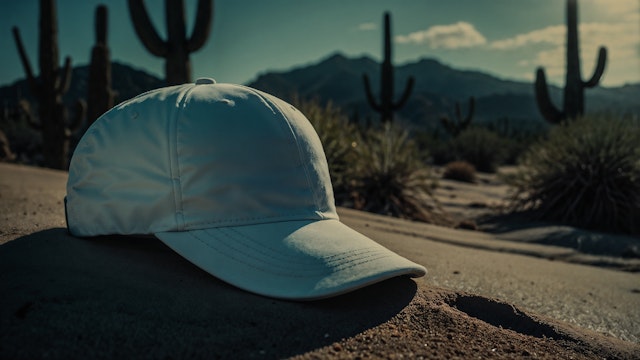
x,y
378,170
388,176
460,171
586,174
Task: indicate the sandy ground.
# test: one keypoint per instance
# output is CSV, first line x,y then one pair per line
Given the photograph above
x,y
486,295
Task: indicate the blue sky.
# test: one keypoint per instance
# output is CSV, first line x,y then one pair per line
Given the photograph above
x,y
506,38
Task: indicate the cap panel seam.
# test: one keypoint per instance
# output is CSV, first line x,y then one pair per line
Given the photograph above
x,y
301,158
315,195
283,217
175,115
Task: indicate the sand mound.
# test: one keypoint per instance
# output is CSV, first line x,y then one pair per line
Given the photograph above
x,y
124,297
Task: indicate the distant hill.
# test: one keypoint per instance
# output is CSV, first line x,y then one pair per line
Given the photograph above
x,y
339,79
126,80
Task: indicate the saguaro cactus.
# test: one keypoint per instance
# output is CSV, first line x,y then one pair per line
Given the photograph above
x,y
100,95
387,106
49,89
574,85
177,47
455,126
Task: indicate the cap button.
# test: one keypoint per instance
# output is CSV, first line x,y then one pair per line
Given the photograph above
x,y
204,81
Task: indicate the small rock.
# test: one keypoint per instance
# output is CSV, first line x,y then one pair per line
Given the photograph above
x,y
467,225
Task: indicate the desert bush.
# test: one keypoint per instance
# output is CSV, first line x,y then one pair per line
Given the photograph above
x,y
585,174
24,140
5,149
505,146
481,147
460,171
388,176
377,170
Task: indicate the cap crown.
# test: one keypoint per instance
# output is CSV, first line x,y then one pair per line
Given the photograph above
x,y
197,156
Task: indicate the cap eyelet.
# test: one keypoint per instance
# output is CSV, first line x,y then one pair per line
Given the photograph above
x,y
205,81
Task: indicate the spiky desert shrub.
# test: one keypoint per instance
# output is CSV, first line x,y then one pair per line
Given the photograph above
x,y
482,148
379,171
585,174
460,171
388,176
338,137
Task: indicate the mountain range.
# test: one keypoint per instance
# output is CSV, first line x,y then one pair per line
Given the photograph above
x,y
338,79
437,89
126,80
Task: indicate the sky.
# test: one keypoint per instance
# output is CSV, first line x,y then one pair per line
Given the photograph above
x,y
505,38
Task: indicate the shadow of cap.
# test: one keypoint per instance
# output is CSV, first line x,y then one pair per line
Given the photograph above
x,y
120,296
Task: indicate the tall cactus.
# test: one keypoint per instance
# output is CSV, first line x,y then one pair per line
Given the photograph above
x,y
455,126
574,85
100,95
177,47
387,106
49,89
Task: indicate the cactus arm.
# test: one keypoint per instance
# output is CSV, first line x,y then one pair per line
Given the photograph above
x,y
599,70
26,64
545,105
445,122
405,95
25,109
458,112
467,120
145,30
455,126
78,117
113,95
62,83
202,26
448,125
370,98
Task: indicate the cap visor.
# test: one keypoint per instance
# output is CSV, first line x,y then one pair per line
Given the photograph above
x,y
298,260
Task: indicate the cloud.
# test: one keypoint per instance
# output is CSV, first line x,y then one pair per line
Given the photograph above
x,y
554,35
622,9
367,26
590,35
620,38
452,36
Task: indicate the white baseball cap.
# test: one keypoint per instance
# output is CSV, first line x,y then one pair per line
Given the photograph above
x,y
231,178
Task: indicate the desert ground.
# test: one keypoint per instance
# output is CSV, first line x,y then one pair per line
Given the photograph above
x,y
509,289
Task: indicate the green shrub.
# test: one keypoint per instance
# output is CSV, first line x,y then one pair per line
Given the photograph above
x,y
586,174
460,171
482,148
388,176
